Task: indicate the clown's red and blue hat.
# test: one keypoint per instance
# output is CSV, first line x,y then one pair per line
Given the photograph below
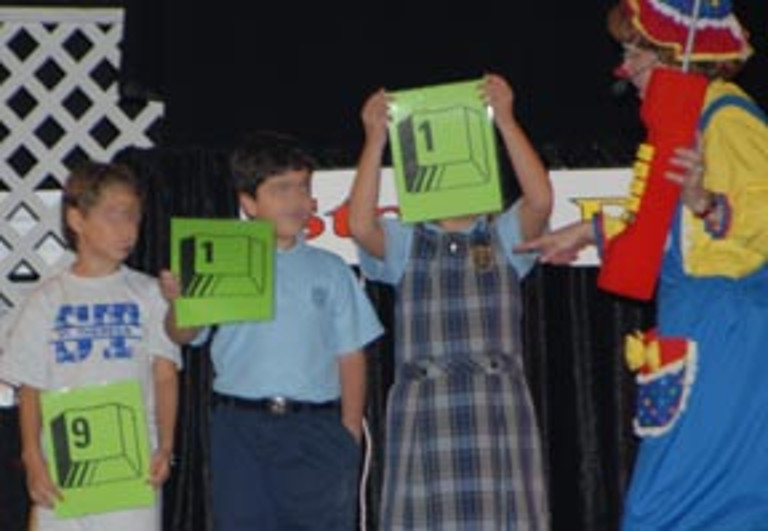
x,y
719,35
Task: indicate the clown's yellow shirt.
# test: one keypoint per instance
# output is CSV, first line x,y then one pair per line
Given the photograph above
x,y
735,143
734,135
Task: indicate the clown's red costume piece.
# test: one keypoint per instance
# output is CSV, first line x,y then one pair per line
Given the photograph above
x,y
631,260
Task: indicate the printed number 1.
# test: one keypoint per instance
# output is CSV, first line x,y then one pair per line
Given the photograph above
x,y
208,246
426,128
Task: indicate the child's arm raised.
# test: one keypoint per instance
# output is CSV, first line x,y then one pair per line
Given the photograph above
x,y
364,197
536,201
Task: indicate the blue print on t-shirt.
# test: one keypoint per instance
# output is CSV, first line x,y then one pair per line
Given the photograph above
x,y
82,329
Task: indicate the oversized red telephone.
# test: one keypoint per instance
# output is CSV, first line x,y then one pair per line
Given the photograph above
x,y
631,261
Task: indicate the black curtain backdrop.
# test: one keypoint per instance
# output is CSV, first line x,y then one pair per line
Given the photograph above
x,y
573,337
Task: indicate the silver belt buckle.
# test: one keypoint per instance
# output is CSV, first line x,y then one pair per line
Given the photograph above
x,y
278,405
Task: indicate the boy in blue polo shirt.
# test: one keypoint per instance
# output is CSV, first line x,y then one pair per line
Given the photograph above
x,y
289,393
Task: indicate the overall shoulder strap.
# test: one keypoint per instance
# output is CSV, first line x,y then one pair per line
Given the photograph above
x,y
731,99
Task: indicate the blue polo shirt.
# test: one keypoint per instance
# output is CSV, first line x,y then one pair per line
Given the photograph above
x,y
321,313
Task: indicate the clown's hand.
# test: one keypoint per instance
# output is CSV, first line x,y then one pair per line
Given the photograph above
x,y
688,172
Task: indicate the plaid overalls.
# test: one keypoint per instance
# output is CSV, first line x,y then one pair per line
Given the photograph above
x,y
463,448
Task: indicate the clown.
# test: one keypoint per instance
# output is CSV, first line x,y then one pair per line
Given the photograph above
x,y
702,393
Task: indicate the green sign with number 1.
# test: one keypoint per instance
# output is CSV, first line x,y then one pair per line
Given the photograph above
x,y
226,270
444,152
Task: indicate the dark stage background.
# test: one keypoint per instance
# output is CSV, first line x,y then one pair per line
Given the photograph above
x,y
228,66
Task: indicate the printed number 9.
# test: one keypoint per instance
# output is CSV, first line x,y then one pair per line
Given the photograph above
x,y
82,432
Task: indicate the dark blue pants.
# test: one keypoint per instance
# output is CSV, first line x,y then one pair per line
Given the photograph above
x,y
283,472
14,502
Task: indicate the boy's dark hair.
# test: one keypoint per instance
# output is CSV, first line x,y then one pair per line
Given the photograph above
x,y
85,185
263,154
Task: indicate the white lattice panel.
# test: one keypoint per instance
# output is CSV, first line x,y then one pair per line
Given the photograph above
x,y
59,104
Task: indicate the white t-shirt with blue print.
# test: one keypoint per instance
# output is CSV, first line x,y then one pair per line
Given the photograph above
x,y
77,331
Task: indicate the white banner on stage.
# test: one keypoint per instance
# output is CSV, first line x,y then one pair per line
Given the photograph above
x,y
579,194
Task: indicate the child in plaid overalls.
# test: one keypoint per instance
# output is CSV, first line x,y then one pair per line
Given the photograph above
x,y
462,445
